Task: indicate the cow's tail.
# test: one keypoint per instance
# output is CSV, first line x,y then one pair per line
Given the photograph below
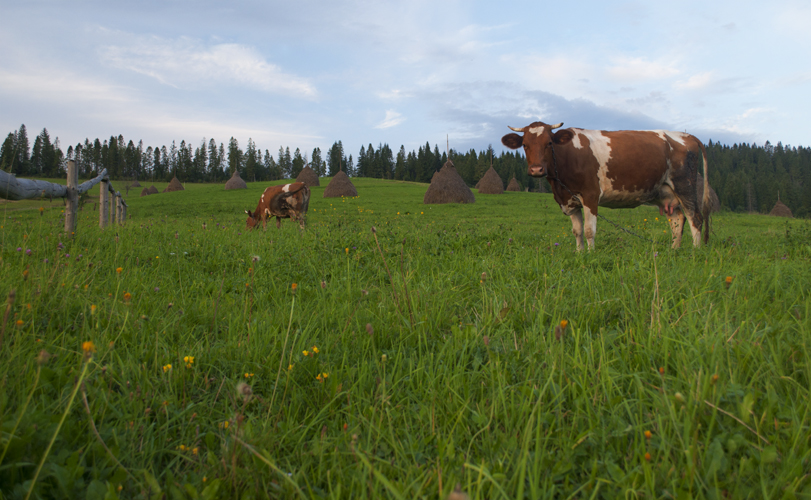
x,y
706,201
296,190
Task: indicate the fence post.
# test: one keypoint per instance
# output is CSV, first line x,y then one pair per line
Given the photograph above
x,y
119,209
112,204
72,198
104,204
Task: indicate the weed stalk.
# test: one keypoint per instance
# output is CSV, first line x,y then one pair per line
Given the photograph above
x,y
58,428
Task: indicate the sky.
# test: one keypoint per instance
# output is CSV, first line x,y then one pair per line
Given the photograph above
x,y
304,74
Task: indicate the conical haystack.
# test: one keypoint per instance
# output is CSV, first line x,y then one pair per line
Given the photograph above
x,y
236,182
145,192
340,185
781,210
715,203
448,187
513,185
174,185
135,184
153,189
308,177
491,183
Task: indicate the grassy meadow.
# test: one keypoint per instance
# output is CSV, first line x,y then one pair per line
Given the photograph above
x,y
181,356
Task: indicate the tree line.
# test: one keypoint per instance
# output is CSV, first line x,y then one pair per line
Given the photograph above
x,y
747,178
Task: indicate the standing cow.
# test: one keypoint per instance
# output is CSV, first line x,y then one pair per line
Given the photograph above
x,y
283,202
594,168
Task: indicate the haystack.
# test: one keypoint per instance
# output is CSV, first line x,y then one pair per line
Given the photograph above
x,y
135,184
781,210
715,203
340,185
152,189
448,187
145,192
308,176
236,182
513,185
174,185
491,183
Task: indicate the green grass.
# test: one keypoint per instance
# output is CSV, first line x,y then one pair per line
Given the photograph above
x,y
457,379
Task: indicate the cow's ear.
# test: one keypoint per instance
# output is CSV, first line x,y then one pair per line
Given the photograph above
x,y
248,212
563,136
512,141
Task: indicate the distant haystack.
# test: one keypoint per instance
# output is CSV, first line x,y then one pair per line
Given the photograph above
x,y
447,186
715,203
236,182
308,177
513,185
490,183
781,210
340,185
135,184
146,192
153,189
174,185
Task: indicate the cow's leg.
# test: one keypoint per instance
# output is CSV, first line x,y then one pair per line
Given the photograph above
x,y
677,226
590,226
694,221
577,227
278,222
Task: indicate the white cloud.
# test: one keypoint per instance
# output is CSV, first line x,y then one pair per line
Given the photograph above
x,y
392,119
187,62
696,82
637,69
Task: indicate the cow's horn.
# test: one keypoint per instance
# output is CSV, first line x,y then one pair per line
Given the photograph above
x,y
556,126
522,129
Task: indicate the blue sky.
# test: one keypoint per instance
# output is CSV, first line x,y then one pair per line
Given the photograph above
x,y
306,73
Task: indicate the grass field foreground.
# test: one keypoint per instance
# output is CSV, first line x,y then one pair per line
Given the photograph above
x,y
181,356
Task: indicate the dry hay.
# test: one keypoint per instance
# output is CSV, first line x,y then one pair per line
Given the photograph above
x,y
153,189
715,203
340,185
490,183
447,186
308,177
135,184
146,192
781,210
236,182
174,185
513,185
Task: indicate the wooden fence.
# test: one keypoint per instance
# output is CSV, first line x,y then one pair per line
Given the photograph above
x,y
112,207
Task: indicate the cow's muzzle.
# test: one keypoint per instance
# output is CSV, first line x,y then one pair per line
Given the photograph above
x,y
537,171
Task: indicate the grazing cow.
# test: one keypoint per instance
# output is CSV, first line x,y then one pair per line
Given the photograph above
x,y
594,168
283,202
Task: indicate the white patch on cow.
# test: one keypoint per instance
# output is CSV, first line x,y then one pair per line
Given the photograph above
x,y
679,137
263,197
286,188
537,130
600,146
576,140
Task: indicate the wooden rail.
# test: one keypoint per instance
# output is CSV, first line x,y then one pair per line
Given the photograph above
x,y
115,208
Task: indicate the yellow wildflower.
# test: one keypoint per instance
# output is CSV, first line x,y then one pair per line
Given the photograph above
x,y
166,368
305,352
315,349
118,270
93,309
88,347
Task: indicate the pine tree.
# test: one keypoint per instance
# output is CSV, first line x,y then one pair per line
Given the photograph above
x,y
234,157
297,163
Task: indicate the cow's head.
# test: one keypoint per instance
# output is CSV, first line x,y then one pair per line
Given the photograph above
x,y
252,221
538,141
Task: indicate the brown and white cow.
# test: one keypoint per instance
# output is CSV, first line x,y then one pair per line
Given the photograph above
x,y
289,201
588,169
